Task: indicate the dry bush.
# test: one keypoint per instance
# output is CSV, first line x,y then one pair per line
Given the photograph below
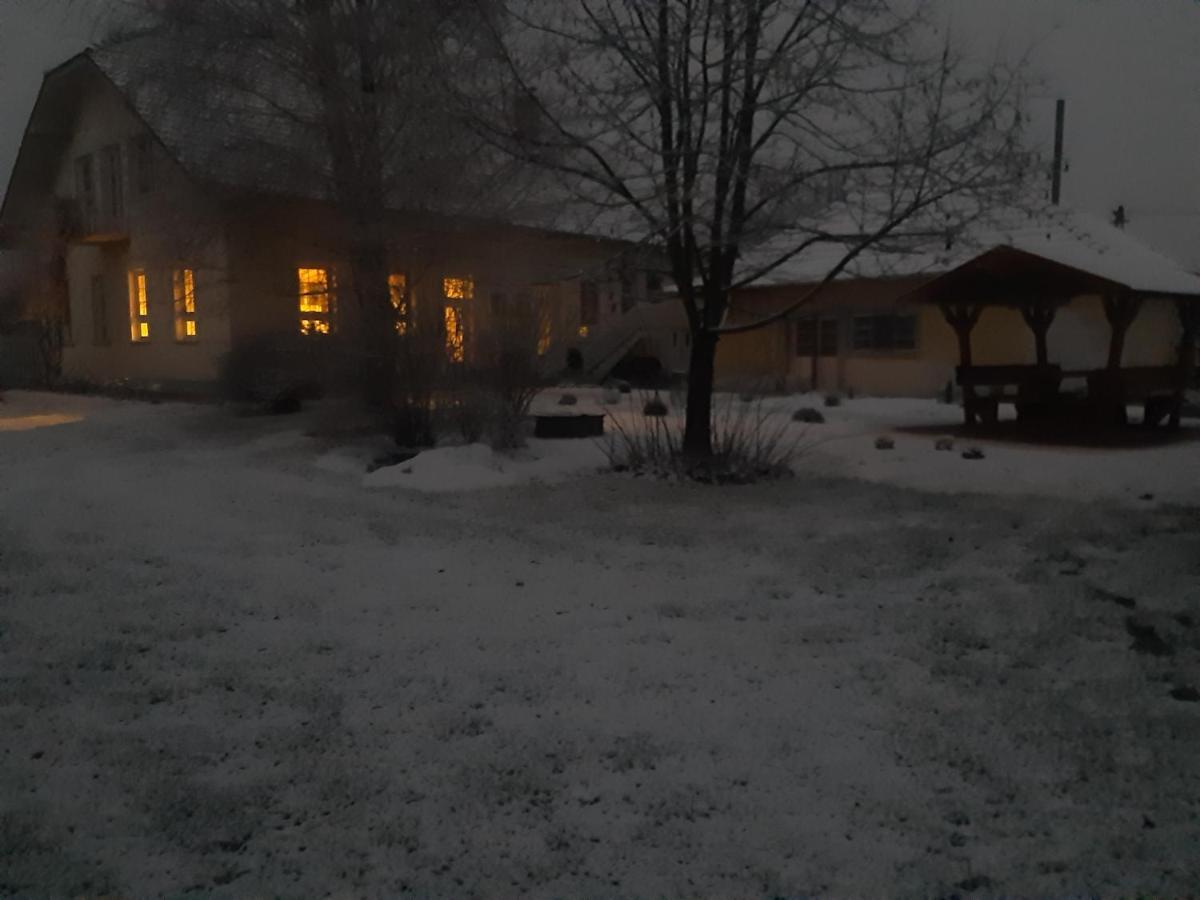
x,y
750,444
509,373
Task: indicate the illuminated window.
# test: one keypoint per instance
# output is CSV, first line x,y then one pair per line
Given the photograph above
x,y
398,291
455,345
458,288
139,307
317,301
456,291
185,304
584,330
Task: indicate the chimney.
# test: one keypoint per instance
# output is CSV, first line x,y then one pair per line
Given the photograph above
x,y
1060,119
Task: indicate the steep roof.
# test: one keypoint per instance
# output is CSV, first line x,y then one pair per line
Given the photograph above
x,y
257,132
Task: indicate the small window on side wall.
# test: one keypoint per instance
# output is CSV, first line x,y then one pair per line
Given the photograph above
x,y
139,307
317,301
885,333
184,285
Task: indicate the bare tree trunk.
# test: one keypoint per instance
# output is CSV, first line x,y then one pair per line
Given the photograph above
x,y
374,342
697,434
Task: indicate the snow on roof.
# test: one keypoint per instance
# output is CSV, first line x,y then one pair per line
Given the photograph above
x,y
1069,238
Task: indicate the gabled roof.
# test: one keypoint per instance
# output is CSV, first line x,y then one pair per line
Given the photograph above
x,y
1100,253
256,132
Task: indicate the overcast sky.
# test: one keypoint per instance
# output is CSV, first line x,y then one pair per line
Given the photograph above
x,y
1128,69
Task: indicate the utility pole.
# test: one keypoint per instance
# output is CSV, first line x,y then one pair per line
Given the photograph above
x,y
1060,119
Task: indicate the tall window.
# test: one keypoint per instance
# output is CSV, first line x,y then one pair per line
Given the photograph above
x,y
99,312
142,154
398,292
456,292
885,332
139,307
85,186
184,284
114,189
317,301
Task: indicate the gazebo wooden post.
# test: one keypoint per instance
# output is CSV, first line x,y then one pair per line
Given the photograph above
x,y
1189,318
1039,315
1120,308
963,317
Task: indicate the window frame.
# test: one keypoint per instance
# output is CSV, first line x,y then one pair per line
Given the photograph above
x,y
140,331
882,340
458,291
183,293
401,298
321,320
819,346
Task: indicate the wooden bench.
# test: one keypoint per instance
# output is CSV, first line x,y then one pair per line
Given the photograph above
x,y
1158,389
1032,389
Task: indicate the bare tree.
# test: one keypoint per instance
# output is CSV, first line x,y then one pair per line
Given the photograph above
x,y
337,100
742,134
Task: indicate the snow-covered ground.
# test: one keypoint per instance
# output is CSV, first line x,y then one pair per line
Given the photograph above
x,y
232,664
843,446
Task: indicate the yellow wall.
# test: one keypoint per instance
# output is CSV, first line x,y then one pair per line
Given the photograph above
x,y
1078,339
174,226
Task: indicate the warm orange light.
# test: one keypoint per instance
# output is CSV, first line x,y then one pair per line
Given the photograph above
x,y
584,331
184,283
139,306
314,290
458,288
455,348
398,291
316,299
543,343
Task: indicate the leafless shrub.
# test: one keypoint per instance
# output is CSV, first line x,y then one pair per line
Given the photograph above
x,y
510,373
420,373
749,443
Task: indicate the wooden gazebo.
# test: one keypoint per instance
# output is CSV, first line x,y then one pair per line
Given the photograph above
x,y
1037,283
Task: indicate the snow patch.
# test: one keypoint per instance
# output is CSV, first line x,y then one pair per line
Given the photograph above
x,y
477,466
